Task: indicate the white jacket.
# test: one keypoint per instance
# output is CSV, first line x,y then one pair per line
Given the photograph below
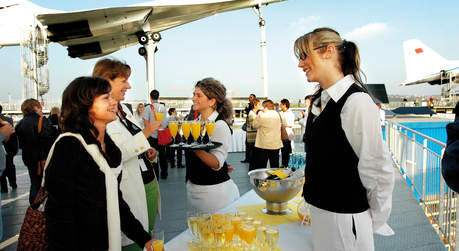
x,y
131,185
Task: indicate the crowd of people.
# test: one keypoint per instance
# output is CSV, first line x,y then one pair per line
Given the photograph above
x,y
100,160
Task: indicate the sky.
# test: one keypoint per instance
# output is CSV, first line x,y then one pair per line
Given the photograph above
x,y
227,47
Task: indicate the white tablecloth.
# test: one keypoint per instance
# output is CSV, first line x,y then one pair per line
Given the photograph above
x,y
238,141
292,236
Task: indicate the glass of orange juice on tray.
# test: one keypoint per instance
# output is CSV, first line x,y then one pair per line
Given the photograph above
x,y
186,129
158,240
210,127
173,128
195,131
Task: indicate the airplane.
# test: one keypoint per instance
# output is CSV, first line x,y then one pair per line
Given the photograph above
x,y
98,32
423,65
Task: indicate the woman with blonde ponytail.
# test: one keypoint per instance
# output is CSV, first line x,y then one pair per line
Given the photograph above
x,y
349,173
209,187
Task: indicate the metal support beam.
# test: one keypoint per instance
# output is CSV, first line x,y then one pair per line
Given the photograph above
x,y
264,65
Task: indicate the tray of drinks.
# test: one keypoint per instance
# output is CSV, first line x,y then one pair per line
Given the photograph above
x,y
208,146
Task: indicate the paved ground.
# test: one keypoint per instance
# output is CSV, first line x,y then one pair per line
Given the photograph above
x,y
413,231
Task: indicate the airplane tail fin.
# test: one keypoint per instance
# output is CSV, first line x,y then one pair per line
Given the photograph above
x,y
420,60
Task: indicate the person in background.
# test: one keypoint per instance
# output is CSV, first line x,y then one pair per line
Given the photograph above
x,y
6,130
35,146
85,209
171,152
251,131
268,141
11,148
288,143
349,169
247,110
209,187
276,107
149,114
192,114
138,114
307,102
139,183
54,117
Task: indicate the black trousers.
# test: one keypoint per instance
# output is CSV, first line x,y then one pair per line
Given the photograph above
x,y
9,173
171,156
162,158
286,151
261,156
249,151
35,182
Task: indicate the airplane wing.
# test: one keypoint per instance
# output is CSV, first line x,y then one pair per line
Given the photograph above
x,y
94,33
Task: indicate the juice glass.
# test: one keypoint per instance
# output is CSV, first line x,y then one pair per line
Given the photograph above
x,y
173,128
158,240
272,236
195,131
186,129
210,127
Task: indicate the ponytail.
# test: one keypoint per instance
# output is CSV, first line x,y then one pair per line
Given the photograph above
x,y
350,61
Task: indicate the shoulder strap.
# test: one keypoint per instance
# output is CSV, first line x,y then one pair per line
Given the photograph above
x,y
129,106
153,110
40,124
280,117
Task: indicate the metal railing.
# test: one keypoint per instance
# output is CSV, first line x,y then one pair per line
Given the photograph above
x,y
418,158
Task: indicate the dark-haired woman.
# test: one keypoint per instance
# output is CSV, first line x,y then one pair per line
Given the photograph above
x,y
139,183
209,187
85,209
349,173
35,146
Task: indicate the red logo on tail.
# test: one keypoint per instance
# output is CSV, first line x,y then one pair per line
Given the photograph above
x,y
418,50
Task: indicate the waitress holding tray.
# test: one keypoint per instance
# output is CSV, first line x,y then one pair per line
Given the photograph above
x,y
209,187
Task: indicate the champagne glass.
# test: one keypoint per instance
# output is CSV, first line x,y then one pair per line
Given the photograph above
x,y
186,128
159,114
158,240
195,132
193,220
210,127
272,236
173,128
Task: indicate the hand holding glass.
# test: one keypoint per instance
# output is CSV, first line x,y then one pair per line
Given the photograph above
x,y
158,240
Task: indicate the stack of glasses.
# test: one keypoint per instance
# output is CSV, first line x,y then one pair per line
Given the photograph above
x,y
231,231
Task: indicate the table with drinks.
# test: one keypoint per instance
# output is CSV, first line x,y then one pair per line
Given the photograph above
x,y
233,229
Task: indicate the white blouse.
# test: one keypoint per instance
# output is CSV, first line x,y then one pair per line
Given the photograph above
x,y
361,124
221,134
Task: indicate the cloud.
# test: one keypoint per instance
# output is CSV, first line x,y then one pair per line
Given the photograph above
x,y
367,31
304,24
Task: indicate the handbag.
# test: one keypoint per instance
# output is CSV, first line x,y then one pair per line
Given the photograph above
x,y
244,127
33,231
164,137
284,134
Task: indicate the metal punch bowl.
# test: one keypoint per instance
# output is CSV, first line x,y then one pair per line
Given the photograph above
x,y
277,193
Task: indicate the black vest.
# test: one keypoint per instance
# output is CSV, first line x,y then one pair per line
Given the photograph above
x,y
199,173
332,179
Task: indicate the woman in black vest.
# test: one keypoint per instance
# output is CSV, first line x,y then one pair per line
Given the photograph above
x,y
209,187
349,173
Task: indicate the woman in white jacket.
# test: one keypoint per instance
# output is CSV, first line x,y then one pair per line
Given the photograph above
x,y
125,131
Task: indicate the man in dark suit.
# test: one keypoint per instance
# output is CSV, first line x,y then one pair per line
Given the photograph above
x,y
249,107
11,148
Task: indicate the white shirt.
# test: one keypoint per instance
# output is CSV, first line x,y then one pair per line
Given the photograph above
x,y
221,134
290,120
361,124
